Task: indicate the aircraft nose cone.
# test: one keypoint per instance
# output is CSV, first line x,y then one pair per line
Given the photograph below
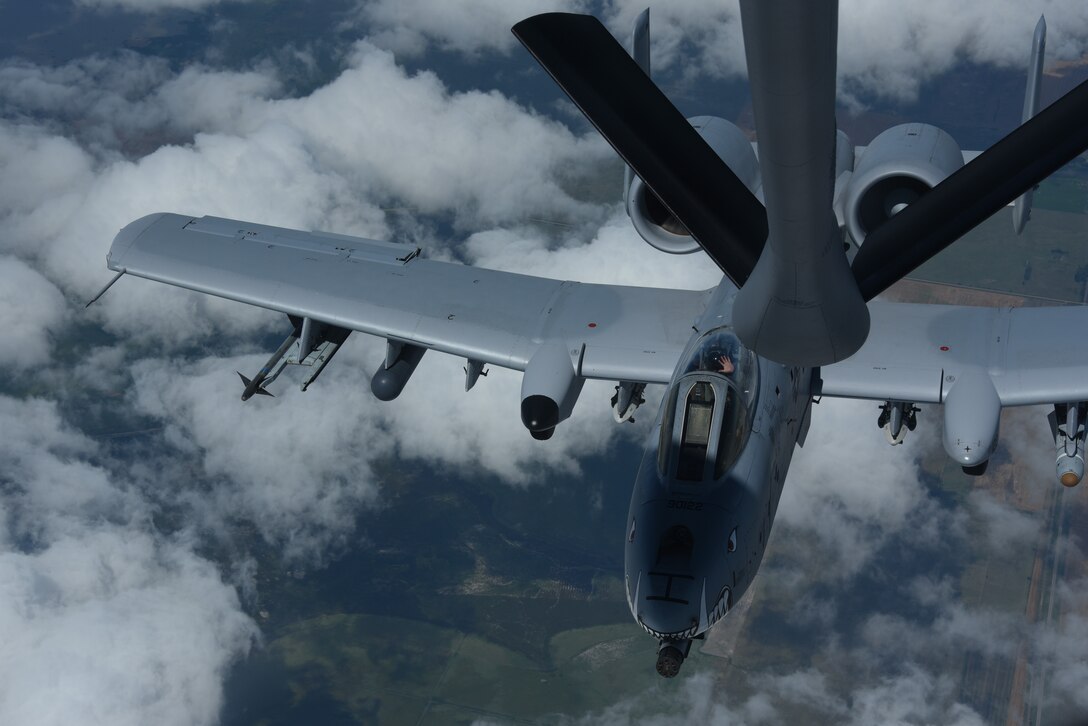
x,y
666,597
668,606
669,625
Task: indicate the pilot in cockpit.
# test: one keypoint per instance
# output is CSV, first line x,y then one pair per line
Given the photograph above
x,y
718,359
719,351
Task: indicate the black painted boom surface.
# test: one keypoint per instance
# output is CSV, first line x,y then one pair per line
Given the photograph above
x,y
967,198
652,136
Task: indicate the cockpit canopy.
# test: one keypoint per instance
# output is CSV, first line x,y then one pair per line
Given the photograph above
x,y
708,416
720,351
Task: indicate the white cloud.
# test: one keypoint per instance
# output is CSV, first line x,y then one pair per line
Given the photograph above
x,y
469,26
614,255
693,700
31,309
887,49
688,37
129,101
915,697
327,160
475,153
103,620
110,627
1060,651
152,6
298,465
1007,529
890,49
855,509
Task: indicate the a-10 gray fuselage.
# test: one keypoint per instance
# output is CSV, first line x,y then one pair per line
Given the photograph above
x,y
709,484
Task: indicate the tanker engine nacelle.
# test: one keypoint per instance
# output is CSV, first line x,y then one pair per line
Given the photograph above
x,y
653,220
898,167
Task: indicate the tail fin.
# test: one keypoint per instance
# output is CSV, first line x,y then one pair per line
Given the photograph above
x,y
640,41
1021,210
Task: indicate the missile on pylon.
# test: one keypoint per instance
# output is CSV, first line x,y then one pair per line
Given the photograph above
x,y
254,386
1069,442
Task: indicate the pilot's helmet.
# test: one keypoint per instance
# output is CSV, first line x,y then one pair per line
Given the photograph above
x,y
712,354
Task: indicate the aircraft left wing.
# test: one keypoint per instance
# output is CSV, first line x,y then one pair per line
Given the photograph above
x,y
610,332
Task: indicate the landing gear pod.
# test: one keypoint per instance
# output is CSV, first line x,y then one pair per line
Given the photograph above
x,y
670,656
401,360
549,389
972,413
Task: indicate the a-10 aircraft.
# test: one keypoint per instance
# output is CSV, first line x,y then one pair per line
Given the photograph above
x,y
793,317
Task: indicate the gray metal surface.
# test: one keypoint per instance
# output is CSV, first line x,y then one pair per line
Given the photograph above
x,y
800,305
629,333
972,415
900,165
918,352
653,221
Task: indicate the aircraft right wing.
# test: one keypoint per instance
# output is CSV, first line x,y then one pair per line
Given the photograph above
x,y
917,352
974,361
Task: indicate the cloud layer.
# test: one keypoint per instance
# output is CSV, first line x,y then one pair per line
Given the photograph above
x,y
152,6
103,583
104,619
887,49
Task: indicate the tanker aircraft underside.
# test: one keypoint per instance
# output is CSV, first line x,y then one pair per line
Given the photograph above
x,y
793,317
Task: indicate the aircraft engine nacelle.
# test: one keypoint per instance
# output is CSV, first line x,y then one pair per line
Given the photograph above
x,y
898,167
653,220
549,389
